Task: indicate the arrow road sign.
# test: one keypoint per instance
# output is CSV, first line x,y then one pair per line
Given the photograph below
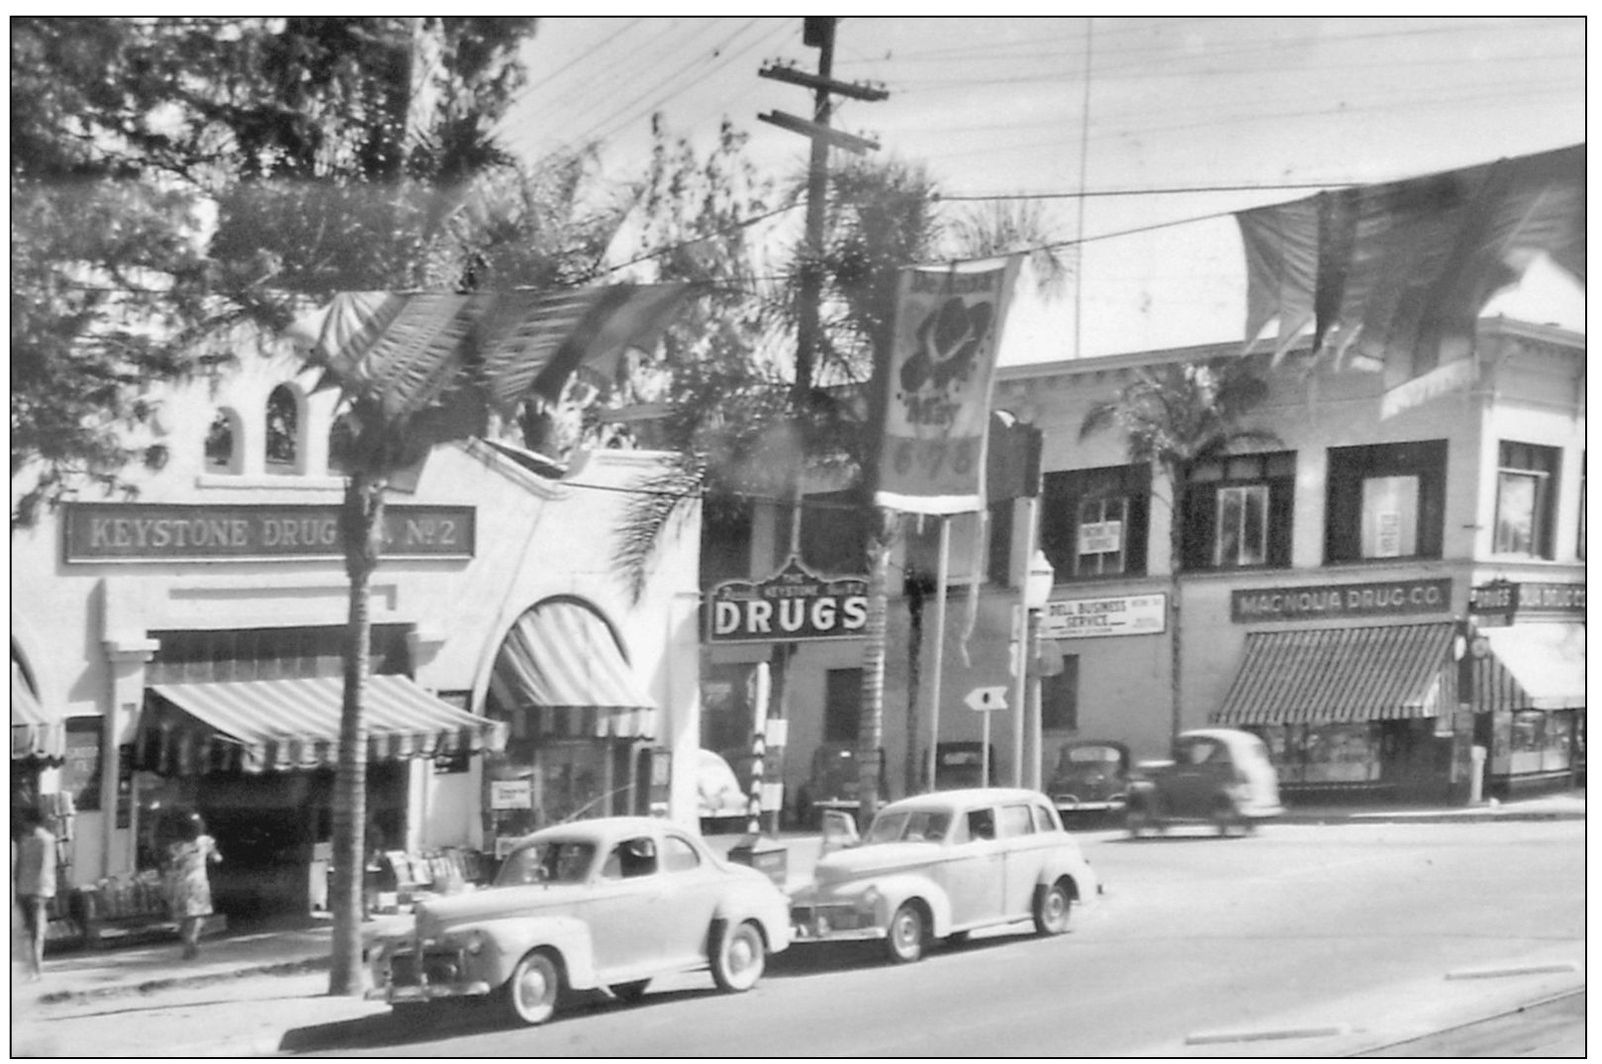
x,y
985,699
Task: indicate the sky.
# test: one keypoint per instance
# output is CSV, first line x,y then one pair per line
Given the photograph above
x,y
1136,136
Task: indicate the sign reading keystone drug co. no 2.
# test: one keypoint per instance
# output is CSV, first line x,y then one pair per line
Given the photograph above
x,y
792,605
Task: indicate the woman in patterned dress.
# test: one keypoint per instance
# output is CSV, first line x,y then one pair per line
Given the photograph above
x,y
187,861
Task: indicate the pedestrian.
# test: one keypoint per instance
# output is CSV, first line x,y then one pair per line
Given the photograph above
x,y
189,889
36,884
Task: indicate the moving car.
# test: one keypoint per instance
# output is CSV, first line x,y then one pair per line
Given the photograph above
x,y
597,904
940,865
1091,776
721,802
1218,775
832,783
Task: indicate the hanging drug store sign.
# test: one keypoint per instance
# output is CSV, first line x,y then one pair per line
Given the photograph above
x,y
98,532
1333,601
792,605
1122,615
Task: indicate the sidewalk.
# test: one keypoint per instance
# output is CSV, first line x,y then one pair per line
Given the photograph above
x,y
92,983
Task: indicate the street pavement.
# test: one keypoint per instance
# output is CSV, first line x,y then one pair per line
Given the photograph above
x,y
282,972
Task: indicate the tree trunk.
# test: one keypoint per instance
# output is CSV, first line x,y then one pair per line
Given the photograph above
x,y
914,585
1176,539
870,728
361,524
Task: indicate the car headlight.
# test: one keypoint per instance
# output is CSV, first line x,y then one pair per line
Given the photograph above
x,y
472,943
868,901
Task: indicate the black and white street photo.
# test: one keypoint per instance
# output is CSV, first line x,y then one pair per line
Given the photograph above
x,y
798,536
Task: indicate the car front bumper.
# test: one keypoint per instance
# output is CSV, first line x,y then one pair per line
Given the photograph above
x,y
411,976
830,923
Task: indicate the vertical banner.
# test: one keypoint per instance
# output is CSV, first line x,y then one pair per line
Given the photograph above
x,y
937,392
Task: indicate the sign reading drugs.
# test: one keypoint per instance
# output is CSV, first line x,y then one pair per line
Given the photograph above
x,y
937,386
792,605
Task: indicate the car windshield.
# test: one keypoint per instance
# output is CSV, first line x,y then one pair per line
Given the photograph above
x,y
915,825
552,861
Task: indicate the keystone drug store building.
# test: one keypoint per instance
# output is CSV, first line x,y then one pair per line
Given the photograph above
x,y
183,650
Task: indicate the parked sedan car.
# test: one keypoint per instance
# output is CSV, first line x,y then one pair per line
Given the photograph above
x,y
940,865
1218,775
595,904
962,764
832,783
1091,776
720,800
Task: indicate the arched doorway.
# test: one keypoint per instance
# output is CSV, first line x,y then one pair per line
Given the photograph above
x,y
576,715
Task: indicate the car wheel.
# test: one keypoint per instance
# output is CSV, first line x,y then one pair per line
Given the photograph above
x,y
535,984
739,958
1052,909
907,930
1224,816
631,992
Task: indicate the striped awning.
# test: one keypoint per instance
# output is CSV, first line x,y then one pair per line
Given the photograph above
x,y
282,725
1329,675
560,673
35,731
1532,666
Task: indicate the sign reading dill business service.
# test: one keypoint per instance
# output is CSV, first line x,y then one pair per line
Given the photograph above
x,y
1326,602
792,605
97,532
1120,615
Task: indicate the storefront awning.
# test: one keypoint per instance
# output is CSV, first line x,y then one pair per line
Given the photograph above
x,y
35,731
1331,675
1532,666
257,725
561,674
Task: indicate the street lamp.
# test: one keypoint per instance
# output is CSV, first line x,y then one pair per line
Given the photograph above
x,y
1033,596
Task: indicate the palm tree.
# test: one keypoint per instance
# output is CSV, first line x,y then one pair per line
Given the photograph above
x,y
1171,417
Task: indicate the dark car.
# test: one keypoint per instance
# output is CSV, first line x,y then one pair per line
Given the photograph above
x,y
961,764
832,783
1091,776
1219,776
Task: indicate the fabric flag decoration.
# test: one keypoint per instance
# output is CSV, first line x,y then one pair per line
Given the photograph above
x,y
415,351
935,388
1397,273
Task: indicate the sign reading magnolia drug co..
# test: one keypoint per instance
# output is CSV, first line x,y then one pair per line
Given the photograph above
x,y
792,605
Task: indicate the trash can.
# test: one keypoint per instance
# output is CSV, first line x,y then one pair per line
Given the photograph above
x,y
766,855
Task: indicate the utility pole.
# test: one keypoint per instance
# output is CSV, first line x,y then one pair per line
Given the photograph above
x,y
817,32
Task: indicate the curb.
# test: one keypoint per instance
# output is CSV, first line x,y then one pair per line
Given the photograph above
x,y
1486,817
182,982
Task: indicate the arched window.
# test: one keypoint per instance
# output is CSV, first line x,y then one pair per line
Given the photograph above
x,y
341,439
222,439
283,430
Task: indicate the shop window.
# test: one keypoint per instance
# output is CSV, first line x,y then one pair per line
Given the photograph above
x,y
1325,753
222,455
1526,483
80,770
1540,741
842,706
1093,521
283,430
1385,501
834,533
1238,511
1059,697
726,710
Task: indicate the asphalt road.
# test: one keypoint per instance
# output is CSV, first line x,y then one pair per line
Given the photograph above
x,y
1298,941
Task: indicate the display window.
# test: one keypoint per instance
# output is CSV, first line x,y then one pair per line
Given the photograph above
x,y
1324,753
1540,741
